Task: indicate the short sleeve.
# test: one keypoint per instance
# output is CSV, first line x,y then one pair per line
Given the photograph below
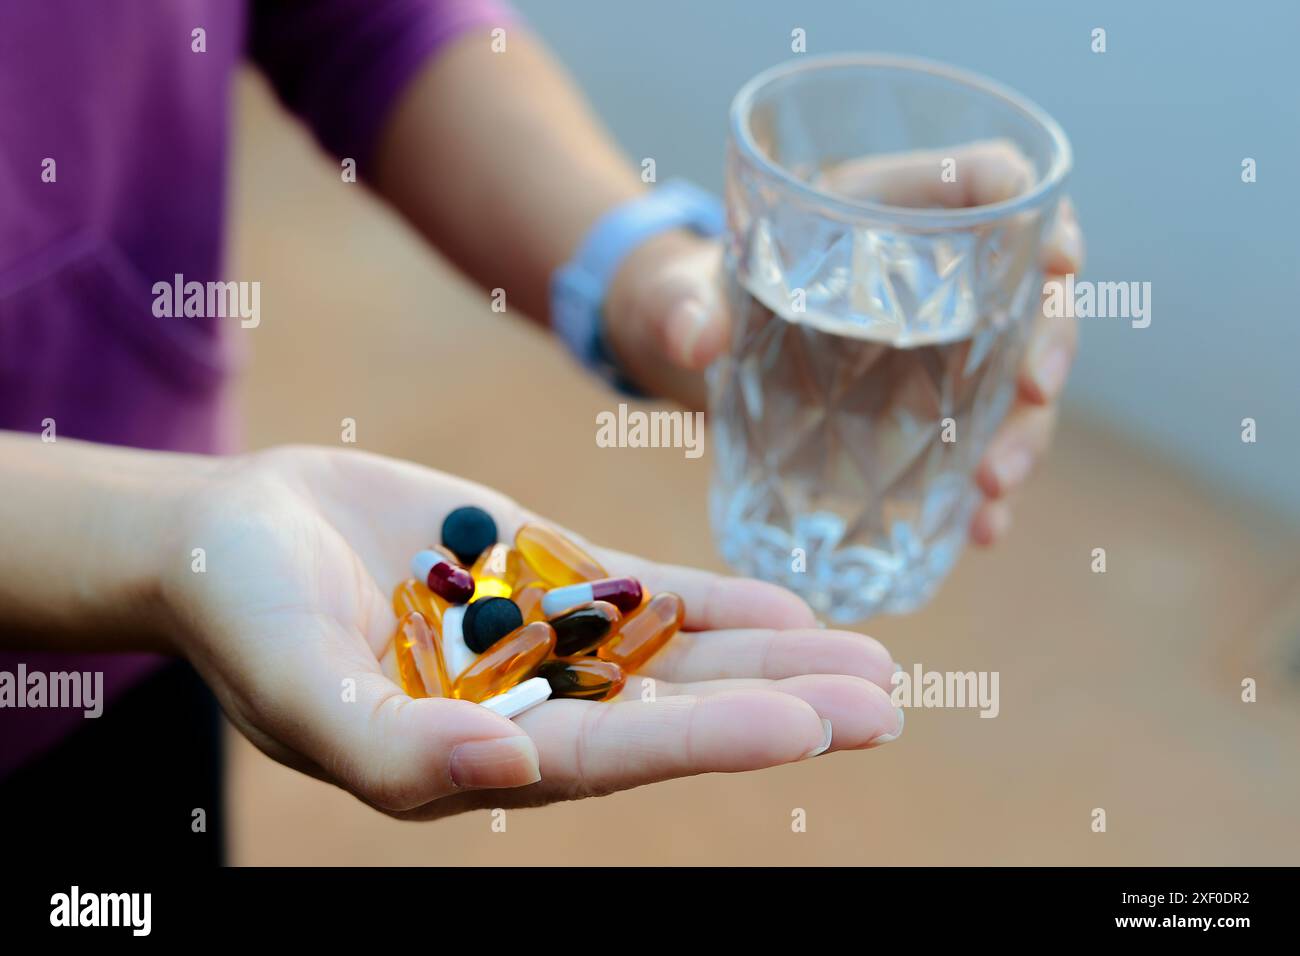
x,y
340,65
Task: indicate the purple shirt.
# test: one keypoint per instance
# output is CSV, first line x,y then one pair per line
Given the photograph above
x,y
137,125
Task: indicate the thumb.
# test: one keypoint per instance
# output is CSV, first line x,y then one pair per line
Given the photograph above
x,y
684,307
691,328
394,752
665,315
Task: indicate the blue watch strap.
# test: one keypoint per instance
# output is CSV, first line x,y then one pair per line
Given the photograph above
x,y
578,289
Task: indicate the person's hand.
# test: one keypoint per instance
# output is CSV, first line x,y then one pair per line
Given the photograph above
x,y
291,614
668,317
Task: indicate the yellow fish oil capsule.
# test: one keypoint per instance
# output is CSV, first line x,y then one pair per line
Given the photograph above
x,y
583,678
420,666
510,660
556,559
529,601
644,632
519,573
491,573
412,595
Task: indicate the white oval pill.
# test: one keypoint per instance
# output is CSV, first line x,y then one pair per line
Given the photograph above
x,y
519,698
455,652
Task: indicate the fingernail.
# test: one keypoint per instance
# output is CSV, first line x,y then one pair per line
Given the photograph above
x,y
491,764
1011,467
825,744
890,738
1050,370
688,323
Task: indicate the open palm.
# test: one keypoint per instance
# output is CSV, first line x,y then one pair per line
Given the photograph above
x,y
290,614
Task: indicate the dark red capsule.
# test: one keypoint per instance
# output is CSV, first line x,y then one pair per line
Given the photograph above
x,y
444,577
623,593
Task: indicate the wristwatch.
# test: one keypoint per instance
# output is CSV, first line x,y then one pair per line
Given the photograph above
x,y
578,289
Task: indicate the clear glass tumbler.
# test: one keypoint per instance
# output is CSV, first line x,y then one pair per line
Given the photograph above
x,y
876,331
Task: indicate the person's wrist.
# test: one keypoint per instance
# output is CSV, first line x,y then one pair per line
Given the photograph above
x,y
140,537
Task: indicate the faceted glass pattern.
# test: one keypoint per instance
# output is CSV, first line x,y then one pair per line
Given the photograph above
x,y
871,359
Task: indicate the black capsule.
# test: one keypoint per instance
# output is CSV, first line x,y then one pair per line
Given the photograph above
x,y
467,532
488,620
583,678
584,628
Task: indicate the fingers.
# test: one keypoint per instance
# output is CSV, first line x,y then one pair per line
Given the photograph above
x,y
594,748
985,172
988,171
1015,450
990,524
772,655
588,749
1024,437
859,711
1063,249
714,601
1016,447
1053,341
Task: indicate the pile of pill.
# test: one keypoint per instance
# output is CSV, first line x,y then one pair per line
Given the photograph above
x,y
509,627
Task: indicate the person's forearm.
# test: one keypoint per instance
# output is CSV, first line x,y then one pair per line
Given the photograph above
x,y
84,528
498,161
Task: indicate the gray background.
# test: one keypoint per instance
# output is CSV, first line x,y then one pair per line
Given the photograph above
x,y
1159,123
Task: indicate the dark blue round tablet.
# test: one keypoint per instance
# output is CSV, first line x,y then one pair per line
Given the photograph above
x,y
468,532
488,620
